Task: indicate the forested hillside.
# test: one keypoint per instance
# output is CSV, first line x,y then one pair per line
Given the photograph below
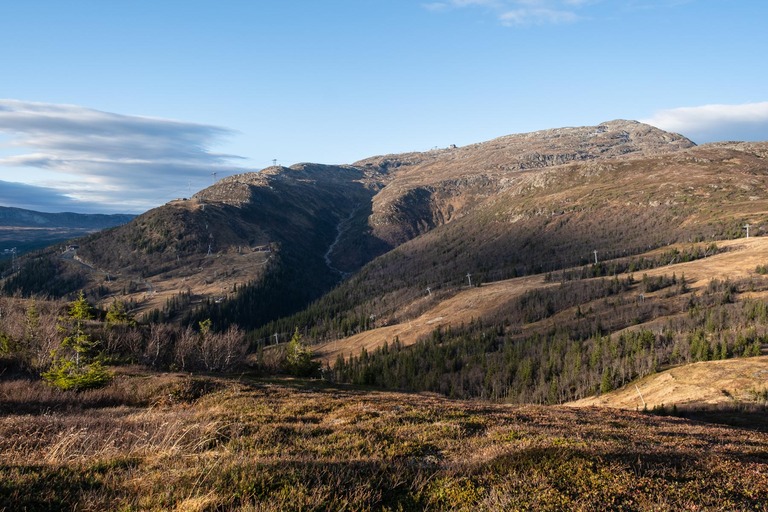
x,y
328,253
256,246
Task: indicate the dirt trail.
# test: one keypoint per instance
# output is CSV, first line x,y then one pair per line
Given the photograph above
x,y
737,262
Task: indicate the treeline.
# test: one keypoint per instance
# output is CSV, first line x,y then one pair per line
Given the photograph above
x,y
558,363
282,291
376,295
335,315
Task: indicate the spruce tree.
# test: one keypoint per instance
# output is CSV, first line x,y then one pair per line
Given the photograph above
x,y
74,365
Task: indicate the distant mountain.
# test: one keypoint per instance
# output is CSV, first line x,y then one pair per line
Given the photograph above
x,y
17,217
27,229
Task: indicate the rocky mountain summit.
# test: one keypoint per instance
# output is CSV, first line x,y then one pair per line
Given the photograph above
x,y
261,245
428,189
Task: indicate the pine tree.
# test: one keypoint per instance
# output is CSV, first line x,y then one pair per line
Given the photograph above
x,y
117,314
606,384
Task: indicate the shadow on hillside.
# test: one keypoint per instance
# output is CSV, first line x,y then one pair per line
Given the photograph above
x,y
752,416
755,420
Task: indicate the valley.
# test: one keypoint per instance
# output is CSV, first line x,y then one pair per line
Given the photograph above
x,y
568,319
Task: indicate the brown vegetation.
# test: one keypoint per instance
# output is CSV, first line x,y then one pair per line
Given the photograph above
x,y
731,382
737,260
165,442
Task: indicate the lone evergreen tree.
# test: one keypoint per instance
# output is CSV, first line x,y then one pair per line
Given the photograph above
x,y
118,315
298,357
74,365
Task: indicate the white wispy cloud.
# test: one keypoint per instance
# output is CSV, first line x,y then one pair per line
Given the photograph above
x,y
711,123
522,12
124,162
538,16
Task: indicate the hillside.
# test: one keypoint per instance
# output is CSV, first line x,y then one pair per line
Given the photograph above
x,y
257,247
736,262
276,230
726,383
555,218
571,334
433,188
175,442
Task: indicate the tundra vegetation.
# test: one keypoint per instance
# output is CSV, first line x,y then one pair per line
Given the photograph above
x,y
170,441
150,438
168,364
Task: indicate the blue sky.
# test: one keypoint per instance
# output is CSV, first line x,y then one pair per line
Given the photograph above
x,y
122,105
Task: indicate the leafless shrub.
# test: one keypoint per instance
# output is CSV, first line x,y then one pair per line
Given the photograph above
x,y
222,351
159,351
185,349
124,340
30,328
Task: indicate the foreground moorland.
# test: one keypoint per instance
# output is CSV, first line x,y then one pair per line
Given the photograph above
x,y
171,441
539,268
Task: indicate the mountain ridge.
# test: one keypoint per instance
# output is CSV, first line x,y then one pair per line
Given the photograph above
x,y
19,217
350,254
396,224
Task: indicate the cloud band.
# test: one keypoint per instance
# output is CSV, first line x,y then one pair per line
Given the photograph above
x,y
106,157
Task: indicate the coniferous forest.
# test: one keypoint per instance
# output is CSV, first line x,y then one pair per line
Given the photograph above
x,y
571,356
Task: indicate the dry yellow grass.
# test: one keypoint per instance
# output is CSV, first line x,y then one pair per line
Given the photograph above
x,y
468,304
181,443
726,382
739,261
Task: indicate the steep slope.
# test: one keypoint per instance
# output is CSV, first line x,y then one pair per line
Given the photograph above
x,y
278,230
557,217
433,188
